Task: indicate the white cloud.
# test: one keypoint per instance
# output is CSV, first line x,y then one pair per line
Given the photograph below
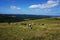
x,y
49,4
15,8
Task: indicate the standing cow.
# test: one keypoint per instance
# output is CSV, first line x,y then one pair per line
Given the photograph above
x,y
30,25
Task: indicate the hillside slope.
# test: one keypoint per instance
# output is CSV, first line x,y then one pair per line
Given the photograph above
x,y
42,29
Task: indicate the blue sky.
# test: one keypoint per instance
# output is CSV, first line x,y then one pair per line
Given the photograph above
x,y
36,7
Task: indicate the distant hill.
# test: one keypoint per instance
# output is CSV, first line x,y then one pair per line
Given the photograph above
x,y
21,17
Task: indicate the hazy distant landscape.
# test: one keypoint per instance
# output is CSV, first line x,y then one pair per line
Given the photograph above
x,y
14,27
21,17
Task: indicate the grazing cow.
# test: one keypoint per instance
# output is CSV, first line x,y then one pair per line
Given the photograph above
x,y
30,25
9,22
42,24
24,24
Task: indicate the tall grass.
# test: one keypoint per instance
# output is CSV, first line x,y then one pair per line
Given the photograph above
x,y
19,31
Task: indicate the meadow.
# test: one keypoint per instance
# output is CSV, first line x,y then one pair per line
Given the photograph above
x,y
42,29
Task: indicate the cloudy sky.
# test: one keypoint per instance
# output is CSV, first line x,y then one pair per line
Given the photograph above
x,y
36,7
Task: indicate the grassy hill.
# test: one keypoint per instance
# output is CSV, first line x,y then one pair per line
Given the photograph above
x,y
42,29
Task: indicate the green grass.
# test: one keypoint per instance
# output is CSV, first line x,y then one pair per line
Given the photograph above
x,y
16,31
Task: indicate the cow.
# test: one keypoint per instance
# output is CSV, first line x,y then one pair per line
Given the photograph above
x,y
30,25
